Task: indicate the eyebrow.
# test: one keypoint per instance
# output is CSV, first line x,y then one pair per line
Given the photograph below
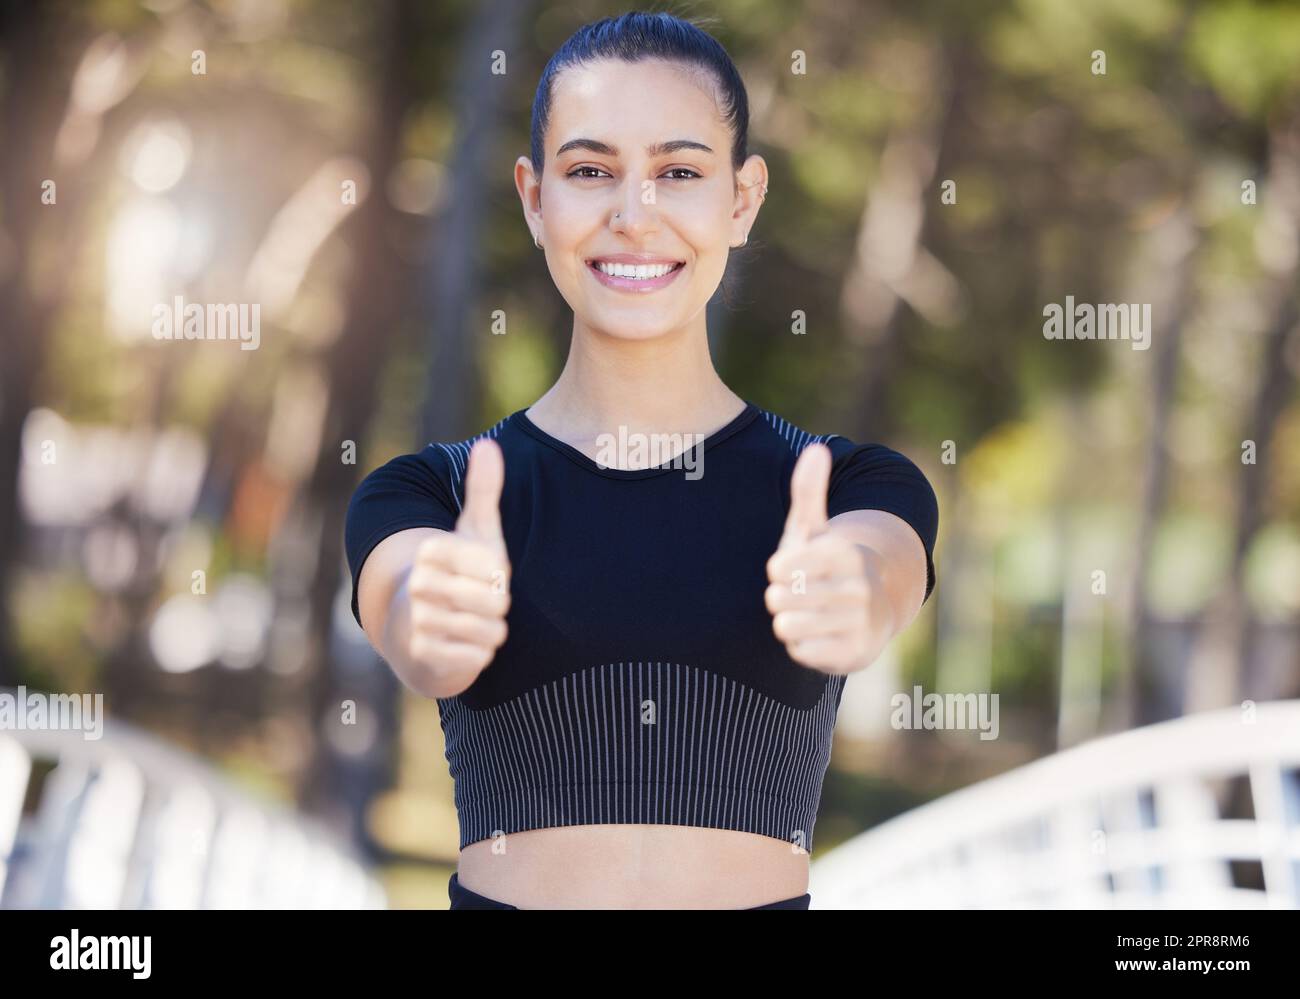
x,y
653,150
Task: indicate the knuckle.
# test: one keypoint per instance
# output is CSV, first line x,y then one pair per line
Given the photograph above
x,y
425,581
431,546
422,613
458,590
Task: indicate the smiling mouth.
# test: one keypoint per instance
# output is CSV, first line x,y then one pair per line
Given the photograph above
x,y
635,272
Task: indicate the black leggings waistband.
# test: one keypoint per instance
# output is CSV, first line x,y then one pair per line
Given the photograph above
x,y
462,898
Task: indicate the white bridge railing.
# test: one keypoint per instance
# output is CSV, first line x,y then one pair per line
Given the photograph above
x,y
126,822
1134,820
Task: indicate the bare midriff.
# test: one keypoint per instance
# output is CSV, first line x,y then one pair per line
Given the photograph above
x,y
634,867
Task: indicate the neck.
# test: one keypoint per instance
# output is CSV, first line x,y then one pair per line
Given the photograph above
x,y
663,385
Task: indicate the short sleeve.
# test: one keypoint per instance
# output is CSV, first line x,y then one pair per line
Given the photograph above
x,y
875,477
411,490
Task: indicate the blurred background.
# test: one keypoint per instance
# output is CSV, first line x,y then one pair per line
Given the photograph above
x,y
1119,541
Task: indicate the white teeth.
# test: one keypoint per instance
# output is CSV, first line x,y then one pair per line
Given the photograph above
x,y
638,272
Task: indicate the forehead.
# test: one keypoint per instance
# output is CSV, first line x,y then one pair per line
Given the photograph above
x,y
631,104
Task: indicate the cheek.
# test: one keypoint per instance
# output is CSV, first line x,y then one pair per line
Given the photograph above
x,y
708,272
709,237
705,223
566,219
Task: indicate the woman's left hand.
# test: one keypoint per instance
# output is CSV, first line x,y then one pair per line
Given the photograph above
x,y
826,597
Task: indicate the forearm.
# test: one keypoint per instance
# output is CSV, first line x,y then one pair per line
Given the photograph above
x,y
884,600
894,565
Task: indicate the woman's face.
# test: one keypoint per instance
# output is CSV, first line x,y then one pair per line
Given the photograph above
x,y
609,196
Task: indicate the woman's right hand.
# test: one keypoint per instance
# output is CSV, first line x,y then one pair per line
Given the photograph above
x,y
459,586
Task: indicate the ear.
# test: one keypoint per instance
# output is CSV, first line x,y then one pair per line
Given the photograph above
x,y
529,186
751,179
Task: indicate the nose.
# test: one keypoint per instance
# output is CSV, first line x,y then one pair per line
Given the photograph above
x,y
632,215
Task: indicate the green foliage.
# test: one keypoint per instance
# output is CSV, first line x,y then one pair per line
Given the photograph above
x,y
1247,50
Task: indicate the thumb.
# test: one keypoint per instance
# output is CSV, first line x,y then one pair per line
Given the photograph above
x,y
480,517
809,484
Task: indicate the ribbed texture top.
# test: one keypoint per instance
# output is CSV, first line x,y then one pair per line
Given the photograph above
x,y
641,743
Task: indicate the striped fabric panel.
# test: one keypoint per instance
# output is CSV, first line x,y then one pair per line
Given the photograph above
x,y
640,742
458,457
792,435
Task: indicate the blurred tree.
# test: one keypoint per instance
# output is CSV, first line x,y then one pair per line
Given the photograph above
x,y
37,80
374,306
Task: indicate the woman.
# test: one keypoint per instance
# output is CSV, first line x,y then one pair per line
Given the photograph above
x,y
638,652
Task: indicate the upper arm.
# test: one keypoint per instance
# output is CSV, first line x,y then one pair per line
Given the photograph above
x,y
901,549
394,508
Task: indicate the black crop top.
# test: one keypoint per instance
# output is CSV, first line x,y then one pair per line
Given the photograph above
x,y
640,680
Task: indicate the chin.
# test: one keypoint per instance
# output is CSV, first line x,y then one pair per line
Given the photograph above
x,y
630,327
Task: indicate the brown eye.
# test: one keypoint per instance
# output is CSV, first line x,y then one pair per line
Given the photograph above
x,y
577,172
686,170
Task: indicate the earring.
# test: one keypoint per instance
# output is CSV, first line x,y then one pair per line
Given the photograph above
x,y
537,242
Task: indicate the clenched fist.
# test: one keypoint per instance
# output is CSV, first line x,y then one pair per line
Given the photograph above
x,y
460,583
827,603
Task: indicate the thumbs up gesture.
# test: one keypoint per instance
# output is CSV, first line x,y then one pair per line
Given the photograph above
x,y
460,583
824,594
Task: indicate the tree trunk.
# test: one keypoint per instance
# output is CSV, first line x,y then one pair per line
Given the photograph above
x,y
353,366
890,265
1144,696
38,76
451,393
1224,667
